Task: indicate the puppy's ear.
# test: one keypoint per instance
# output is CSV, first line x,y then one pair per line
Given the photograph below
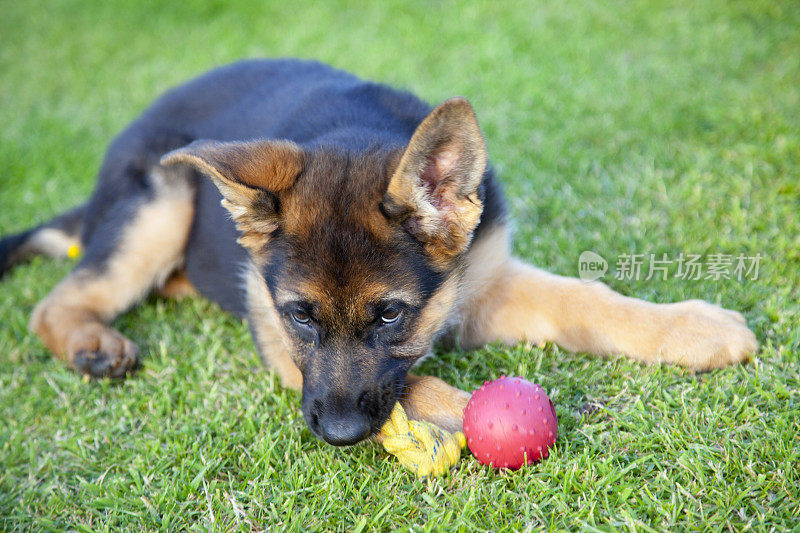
x,y
434,191
250,176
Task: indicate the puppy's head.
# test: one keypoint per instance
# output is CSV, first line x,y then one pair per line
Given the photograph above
x,y
359,253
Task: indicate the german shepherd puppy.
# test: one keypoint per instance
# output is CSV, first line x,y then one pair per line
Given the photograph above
x,y
356,226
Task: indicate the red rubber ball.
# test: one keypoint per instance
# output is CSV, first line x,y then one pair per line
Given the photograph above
x,y
510,422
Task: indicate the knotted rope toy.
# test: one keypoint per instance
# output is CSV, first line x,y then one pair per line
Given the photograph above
x,y
420,446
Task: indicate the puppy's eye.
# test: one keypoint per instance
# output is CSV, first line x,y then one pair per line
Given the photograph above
x,y
390,316
301,317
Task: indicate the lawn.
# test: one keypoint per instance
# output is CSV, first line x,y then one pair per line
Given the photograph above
x,y
618,127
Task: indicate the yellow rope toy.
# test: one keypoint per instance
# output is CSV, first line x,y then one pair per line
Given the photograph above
x,y
420,446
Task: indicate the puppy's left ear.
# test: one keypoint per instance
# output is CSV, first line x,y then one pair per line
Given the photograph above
x,y
250,176
434,191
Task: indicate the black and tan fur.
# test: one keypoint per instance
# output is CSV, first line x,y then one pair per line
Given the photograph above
x,y
358,227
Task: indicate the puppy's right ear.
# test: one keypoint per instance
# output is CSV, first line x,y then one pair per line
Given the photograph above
x,y
250,176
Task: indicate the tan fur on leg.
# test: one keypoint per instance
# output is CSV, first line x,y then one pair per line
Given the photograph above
x,y
431,399
177,286
72,319
510,301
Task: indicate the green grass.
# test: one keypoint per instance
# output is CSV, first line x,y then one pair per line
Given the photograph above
x,y
647,127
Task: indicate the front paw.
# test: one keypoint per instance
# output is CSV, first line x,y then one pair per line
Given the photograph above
x,y
702,336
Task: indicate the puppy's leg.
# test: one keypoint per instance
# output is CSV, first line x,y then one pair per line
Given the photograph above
x,y
511,302
138,243
177,286
431,399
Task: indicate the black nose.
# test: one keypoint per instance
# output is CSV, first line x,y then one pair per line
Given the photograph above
x,y
339,420
344,430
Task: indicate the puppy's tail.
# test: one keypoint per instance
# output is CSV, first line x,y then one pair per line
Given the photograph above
x,y
60,237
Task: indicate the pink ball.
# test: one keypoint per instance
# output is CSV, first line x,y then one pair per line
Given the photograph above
x,y
510,422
